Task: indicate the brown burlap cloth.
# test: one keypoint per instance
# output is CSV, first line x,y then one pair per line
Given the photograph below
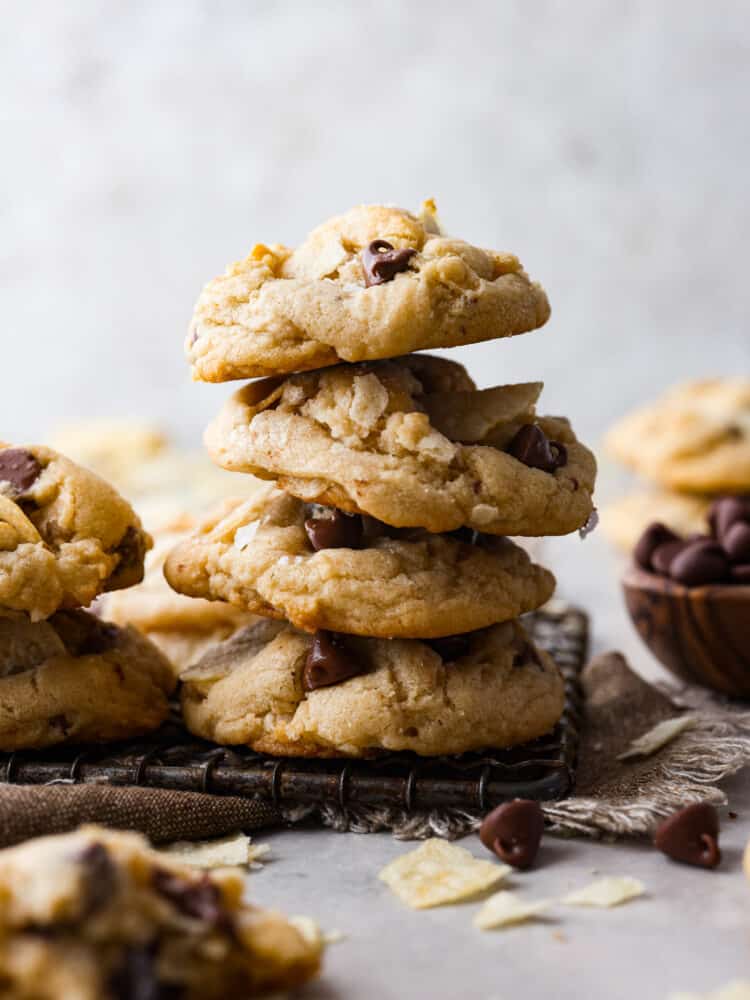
x,y
614,797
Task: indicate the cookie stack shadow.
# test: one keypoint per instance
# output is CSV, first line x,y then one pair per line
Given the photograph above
x,y
378,559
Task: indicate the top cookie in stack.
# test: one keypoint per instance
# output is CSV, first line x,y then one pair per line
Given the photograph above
x,y
396,479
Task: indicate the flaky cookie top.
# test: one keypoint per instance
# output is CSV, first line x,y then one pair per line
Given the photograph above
x,y
376,282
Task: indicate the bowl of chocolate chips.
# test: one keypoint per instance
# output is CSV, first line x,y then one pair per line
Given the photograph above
x,y
689,598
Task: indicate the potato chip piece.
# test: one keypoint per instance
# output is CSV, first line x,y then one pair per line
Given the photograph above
x,y
661,734
739,989
506,908
224,852
606,892
438,872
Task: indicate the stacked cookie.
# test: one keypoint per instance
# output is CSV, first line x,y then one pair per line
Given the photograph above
x,y
66,676
692,445
378,560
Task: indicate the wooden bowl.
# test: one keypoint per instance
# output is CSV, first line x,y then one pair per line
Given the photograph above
x,y
701,634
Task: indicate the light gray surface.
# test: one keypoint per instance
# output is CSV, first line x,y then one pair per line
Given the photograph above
x,y
690,933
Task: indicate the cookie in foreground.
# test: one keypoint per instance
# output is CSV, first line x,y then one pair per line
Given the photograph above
x,y
286,692
374,283
412,443
65,534
322,569
76,679
98,915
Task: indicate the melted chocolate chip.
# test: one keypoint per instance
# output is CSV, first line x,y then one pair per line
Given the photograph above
x,y
451,647
334,530
136,978
531,446
19,468
131,550
329,661
513,832
382,262
100,877
200,900
698,563
691,836
653,537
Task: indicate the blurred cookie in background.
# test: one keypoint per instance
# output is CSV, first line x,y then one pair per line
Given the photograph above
x,y
693,439
160,478
623,521
183,628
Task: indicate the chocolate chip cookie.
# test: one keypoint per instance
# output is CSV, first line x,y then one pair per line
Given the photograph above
x,y
388,439
98,915
322,569
374,283
65,534
183,628
282,691
623,521
76,679
695,438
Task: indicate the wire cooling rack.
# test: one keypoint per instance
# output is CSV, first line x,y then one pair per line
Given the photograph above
x,y
172,758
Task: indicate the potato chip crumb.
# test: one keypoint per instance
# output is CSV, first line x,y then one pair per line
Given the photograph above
x,y
224,852
606,892
506,908
438,872
661,734
309,929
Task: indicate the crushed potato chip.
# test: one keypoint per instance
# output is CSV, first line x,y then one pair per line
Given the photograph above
x,y
506,908
438,872
224,852
658,737
606,892
737,990
308,928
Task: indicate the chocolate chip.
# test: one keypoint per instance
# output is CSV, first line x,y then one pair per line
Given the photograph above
x,y
691,836
653,537
200,900
700,562
334,530
451,647
513,832
736,542
740,573
382,262
131,550
662,556
531,446
136,978
100,877
19,468
329,661
725,512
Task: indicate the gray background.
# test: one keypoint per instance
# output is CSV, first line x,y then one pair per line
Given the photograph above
x,y
147,143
